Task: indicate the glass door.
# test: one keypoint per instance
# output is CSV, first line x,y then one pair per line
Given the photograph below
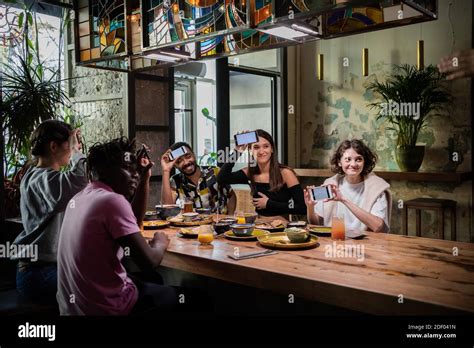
x,y
253,102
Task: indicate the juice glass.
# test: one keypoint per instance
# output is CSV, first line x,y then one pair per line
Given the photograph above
x,y
205,235
240,216
338,229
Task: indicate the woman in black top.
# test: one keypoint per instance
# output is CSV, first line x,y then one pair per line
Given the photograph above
x,y
274,186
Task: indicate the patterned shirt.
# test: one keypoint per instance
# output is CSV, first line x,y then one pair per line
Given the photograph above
x,y
207,193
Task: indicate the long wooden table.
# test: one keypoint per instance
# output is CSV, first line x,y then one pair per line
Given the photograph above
x,y
400,275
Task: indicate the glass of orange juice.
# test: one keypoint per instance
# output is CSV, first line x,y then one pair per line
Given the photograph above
x,y
205,235
338,229
240,216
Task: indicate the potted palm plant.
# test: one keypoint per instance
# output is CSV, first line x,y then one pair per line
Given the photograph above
x,y
406,100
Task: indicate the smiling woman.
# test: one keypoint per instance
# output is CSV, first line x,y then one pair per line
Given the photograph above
x,y
275,188
361,197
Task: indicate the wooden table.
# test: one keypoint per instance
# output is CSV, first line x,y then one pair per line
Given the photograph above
x,y
420,272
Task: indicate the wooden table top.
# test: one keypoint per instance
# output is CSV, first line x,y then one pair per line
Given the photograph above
x,y
398,275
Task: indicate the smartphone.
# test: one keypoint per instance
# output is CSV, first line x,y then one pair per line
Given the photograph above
x,y
143,152
246,138
178,153
321,193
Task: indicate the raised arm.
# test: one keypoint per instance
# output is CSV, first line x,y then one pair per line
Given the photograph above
x,y
60,186
227,177
168,195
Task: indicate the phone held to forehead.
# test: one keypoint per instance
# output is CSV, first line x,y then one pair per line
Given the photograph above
x,y
321,193
246,138
180,151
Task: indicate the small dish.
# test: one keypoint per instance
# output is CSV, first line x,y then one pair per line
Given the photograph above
x,y
189,216
242,230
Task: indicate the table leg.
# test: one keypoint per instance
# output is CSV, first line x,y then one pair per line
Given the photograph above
x,y
405,220
453,223
418,222
440,213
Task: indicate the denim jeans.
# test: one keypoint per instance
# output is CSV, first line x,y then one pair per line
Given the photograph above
x,y
37,282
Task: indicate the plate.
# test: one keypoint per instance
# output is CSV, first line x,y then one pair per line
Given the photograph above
x,y
270,228
279,240
154,224
255,234
186,235
322,231
205,220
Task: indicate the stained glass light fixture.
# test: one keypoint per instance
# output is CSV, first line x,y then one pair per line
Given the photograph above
x,y
101,28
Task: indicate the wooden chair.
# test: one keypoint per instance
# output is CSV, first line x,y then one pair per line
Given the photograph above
x,y
438,205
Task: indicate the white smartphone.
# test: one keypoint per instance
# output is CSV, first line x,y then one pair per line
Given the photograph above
x,y
180,151
322,192
246,138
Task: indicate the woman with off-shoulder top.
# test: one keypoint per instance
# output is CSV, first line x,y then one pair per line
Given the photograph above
x,y
275,188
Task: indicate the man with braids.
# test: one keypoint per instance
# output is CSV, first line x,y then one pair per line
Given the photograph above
x,y
99,224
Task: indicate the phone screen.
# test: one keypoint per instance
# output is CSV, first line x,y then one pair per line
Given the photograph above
x,y
246,138
178,152
320,193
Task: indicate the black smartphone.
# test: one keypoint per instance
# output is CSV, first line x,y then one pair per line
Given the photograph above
x,y
180,151
143,152
321,193
246,138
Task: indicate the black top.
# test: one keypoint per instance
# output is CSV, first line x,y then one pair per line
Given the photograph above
x,y
287,200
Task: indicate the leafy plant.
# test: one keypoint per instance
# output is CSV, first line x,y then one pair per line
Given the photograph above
x,y
409,87
31,92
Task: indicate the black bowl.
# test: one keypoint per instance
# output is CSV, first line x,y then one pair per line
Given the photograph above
x,y
167,210
205,211
221,227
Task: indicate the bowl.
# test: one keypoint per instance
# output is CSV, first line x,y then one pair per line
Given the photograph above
x,y
250,217
229,221
189,216
151,216
299,224
167,210
297,235
221,227
242,230
205,211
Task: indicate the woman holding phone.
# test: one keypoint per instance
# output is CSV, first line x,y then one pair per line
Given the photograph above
x,y
275,187
360,196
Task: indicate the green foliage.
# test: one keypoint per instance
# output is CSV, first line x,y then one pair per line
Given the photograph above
x,y
31,94
209,160
409,85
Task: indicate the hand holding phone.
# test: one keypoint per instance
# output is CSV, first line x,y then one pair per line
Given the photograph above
x,y
175,154
143,152
321,193
246,138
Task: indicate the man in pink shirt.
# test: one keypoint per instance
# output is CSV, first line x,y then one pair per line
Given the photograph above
x,y
98,225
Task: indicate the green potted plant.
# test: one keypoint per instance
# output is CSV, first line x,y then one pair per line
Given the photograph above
x,y
406,100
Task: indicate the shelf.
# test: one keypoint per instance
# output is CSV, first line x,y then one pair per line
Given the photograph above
x,y
456,177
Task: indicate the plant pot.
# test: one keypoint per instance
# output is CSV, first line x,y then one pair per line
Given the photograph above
x,y
410,158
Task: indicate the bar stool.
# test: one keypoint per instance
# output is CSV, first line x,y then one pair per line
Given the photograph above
x,y
439,205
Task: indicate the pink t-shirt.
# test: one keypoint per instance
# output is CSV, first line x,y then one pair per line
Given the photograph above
x,y
91,278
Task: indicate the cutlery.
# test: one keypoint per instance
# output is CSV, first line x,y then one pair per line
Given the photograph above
x,y
252,255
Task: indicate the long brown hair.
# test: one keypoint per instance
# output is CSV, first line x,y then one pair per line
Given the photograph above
x,y
276,179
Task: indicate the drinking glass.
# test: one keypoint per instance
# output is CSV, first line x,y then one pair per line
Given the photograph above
x,y
338,229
